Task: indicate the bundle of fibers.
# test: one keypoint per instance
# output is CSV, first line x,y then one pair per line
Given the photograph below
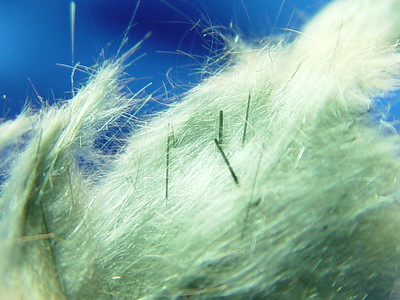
x,y
271,179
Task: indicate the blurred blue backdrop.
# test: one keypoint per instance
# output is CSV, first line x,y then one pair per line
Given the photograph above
x,y
35,39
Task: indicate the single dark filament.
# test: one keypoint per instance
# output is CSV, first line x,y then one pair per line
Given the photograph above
x,y
227,162
221,126
246,120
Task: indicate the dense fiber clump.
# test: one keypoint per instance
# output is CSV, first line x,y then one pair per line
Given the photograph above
x,y
271,179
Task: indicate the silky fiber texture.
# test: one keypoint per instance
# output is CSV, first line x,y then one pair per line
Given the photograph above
x,y
274,178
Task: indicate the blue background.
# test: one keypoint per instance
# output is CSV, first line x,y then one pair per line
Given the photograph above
x,y
35,39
